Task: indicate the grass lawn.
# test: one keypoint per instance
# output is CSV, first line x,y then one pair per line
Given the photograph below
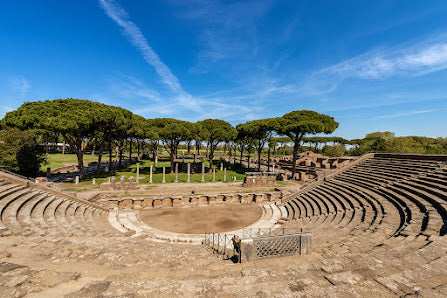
x,y
58,160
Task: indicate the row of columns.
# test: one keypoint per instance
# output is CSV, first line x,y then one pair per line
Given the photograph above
x,y
176,173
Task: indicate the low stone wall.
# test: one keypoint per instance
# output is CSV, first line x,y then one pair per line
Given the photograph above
x,y
190,201
437,157
259,179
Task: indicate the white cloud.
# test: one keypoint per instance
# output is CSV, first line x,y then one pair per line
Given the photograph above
x,y
137,39
418,59
20,84
4,110
404,114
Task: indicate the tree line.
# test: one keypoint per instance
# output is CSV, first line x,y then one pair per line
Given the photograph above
x,y
83,124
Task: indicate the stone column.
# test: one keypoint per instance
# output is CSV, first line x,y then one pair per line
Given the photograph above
x,y
138,173
189,172
203,172
214,175
93,181
164,175
150,173
225,174
176,172
221,166
77,179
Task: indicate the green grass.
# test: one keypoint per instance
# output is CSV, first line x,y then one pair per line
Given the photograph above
x,y
58,160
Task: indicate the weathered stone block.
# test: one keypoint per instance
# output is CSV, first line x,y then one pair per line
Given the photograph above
x,y
126,204
41,179
220,199
147,203
246,250
275,196
202,200
137,204
246,199
259,198
234,199
212,200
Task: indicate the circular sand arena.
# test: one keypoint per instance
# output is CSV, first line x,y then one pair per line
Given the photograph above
x,y
201,220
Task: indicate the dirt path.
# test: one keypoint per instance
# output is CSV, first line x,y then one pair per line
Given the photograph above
x,y
202,219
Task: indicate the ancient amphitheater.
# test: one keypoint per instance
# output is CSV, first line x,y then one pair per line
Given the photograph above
x,y
378,229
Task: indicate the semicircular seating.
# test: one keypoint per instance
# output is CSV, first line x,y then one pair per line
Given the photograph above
x,y
383,207
28,210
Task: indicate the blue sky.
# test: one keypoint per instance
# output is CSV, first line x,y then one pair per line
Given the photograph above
x,y
373,65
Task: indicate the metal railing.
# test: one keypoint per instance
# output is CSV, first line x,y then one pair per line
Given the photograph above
x,y
257,232
220,244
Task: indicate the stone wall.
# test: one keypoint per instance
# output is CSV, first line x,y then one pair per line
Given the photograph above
x,y
190,201
259,179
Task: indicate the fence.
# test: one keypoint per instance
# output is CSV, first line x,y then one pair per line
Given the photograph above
x,y
282,245
220,244
256,232
260,243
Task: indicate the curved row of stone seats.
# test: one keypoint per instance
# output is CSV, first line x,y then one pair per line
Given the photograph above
x,y
381,201
27,210
432,202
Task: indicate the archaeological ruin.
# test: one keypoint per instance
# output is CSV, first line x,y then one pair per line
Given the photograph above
x,y
374,227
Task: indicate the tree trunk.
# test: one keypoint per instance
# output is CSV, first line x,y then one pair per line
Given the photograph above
x,y
120,155
98,166
75,146
296,146
63,147
259,159
138,149
211,153
172,156
110,155
130,149
268,160
80,156
93,151
198,145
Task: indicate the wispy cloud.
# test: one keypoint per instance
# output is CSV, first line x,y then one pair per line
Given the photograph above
x,y
4,110
404,114
150,103
20,84
228,31
418,59
137,39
